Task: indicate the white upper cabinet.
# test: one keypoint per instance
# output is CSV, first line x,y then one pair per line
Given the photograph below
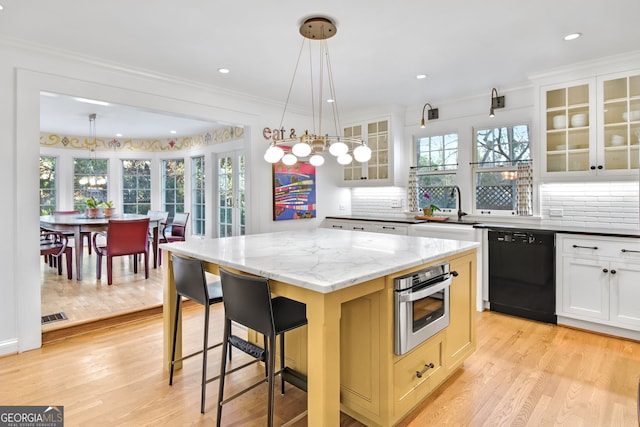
x,y
386,155
591,127
620,116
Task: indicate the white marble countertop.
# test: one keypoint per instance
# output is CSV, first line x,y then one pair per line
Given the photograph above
x,y
322,260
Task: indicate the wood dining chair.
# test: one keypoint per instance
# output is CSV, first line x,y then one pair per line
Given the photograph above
x,y
123,237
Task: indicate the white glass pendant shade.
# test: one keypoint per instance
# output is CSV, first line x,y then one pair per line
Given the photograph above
x,y
344,159
316,160
273,154
289,159
338,148
301,149
362,153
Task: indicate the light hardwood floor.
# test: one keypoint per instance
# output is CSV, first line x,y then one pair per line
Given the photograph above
x,y
91,302
523,373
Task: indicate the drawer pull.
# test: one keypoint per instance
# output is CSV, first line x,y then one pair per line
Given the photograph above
x,y
426,368
359,228
385,227
336,226
629,250
587,247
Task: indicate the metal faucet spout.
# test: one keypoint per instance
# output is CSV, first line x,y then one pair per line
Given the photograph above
x,y
460,212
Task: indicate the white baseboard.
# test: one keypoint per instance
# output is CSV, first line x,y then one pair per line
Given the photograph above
x,y
8,347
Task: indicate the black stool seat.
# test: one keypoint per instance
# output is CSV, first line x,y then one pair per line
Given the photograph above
x,y
247,301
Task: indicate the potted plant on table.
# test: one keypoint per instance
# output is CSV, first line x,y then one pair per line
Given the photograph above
x,y
107,208
93,209
431,208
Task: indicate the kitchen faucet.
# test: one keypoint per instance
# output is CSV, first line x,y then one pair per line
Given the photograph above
x,y
460,213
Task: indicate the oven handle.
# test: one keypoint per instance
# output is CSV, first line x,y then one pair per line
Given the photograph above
x,y
414,296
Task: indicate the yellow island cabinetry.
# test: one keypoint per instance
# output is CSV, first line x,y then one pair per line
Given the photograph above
x,y
346,280
377,387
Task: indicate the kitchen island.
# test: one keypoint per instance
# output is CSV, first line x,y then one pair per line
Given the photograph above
x,y
327,270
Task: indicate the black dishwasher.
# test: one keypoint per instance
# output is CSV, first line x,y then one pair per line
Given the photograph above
x,y
522,273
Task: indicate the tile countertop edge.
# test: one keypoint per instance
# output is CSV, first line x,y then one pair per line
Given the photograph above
x,y
324,277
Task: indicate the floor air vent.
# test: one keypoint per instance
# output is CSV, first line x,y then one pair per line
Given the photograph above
x,y
53,317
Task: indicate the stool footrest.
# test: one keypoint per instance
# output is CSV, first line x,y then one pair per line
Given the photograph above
x,y
247,347
295,378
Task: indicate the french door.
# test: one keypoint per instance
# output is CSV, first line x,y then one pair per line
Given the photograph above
x,y
231,194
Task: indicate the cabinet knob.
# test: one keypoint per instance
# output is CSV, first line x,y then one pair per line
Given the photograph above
x,y
599,166
426,368
613,272
592,168
604,270
454,273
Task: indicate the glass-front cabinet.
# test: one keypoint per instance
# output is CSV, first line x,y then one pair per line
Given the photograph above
x,y
570,139
592,127
379,168
620,133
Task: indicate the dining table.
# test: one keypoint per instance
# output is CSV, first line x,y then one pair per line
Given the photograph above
x,y
79,223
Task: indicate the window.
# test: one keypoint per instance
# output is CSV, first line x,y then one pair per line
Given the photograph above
x,y
90,179
231,194
173,186
500,154
136,186
437,160
47,184
197,195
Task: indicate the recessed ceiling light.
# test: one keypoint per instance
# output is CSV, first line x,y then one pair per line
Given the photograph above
x,y
91,101
330,100
172,132
1,7
223,70
421,76
572,36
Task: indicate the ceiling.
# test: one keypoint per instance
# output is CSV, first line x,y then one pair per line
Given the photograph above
x,y
465,47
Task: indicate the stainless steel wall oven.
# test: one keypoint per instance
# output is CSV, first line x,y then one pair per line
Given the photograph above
x,y
421,306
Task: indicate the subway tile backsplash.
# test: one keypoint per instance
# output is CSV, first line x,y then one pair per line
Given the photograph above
x,y
598,204
378,201
610,204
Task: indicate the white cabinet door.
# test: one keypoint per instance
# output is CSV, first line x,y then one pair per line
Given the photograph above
x,y
585,288
625,294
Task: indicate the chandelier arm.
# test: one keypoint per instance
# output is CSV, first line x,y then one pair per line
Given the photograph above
x,y
332,90
293,78
323,46
313,102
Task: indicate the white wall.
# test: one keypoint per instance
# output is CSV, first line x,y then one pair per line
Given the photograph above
x,y
24,72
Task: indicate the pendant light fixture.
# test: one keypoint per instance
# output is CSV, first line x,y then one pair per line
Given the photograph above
x,y
314,143
92,180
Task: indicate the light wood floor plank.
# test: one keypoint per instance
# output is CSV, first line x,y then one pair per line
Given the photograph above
x,y
523,373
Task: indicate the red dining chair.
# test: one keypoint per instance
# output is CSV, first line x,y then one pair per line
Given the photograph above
x,y
123,237
83,234
54,244
178,232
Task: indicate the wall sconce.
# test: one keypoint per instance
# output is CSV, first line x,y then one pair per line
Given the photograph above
x,y
496,101
432,114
